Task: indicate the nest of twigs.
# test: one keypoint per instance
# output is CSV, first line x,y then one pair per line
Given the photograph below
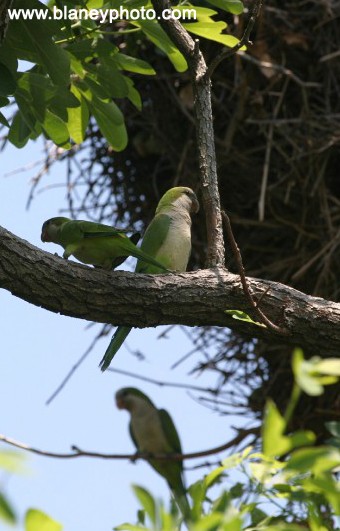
x,y
277,123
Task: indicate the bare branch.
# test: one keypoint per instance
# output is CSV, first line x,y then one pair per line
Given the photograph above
x,y
5,5
264,319
244,41
165,384
77,452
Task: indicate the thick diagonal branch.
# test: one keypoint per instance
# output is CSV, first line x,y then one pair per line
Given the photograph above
x,y
199,298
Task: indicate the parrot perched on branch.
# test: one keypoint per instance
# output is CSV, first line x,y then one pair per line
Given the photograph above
x,y
94,243
168,240
153,431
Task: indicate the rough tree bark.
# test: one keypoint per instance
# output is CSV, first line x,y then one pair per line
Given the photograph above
x,y
204,131
195,299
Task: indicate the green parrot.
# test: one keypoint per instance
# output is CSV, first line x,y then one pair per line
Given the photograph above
x,y
153,431
94,243
168,240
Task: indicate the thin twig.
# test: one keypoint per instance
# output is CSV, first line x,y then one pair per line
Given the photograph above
x,y
77,452
225,54
237,254
266,165
279,68
164,384
74,368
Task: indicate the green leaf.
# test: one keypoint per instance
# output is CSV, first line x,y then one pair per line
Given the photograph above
x,y
314,460
110,121
109,78
131,64
19,132
33,41
36,520
329,366
311,375
157,35
334,428
275,443
6,510
24,102
7,81
197,492
242,316
3,101
12,461
3,120
233,6
55,128
78,118
147,501
129,527
133,94
325,485
213,32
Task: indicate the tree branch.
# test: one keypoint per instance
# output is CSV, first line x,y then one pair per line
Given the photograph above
x,y
77,452
199,298
5,5
204,131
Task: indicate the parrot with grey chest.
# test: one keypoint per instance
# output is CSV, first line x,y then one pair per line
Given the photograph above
x,y
168,240
153,432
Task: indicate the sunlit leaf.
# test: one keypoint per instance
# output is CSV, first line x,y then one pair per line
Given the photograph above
x,y
242,316
147,501
36,520
233,6
275,443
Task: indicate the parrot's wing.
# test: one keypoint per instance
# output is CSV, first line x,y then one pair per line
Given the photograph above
x,y
98,230
120,259
132,437
156,234
170,431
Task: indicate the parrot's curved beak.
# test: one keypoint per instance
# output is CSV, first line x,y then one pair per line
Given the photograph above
x,y
120,403
44,235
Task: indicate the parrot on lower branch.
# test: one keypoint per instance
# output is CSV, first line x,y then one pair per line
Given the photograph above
x,y
168,240
94,243
153,431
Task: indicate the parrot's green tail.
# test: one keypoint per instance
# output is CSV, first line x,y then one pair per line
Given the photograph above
x,y
116,342
183,504
141,255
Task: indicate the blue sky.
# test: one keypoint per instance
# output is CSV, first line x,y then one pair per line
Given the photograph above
x,y
37,350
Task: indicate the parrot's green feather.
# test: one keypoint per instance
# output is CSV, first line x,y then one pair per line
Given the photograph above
x,y
133,437
168,240
95,243
170,430
116,342
154,237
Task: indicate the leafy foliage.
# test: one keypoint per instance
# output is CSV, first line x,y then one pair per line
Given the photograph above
x,y
289,486
35,520
78,68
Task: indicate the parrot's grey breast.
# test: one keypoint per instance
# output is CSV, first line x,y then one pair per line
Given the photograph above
x,y
148,432
177,245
